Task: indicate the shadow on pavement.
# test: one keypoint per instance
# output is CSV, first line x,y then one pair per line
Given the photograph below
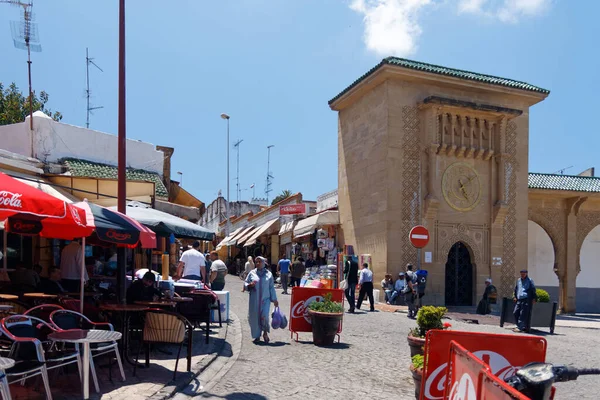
x,y
335,346
236,396
272,344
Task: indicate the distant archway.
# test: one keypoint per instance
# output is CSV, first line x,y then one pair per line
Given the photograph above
x,y
459,276
588,281
541,258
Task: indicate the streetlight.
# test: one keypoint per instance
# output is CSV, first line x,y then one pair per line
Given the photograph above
x,y
181,178
227,226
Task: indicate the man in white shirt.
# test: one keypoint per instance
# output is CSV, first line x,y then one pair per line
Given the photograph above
x,y
71,261
191,264
365,281
218,270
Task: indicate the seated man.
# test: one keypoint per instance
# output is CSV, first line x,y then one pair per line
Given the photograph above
x,y
399,287
26,277
143,289
51,285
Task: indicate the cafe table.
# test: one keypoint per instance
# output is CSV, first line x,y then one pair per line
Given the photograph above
x,y
8,296
40,296
123,310
85,338
5,363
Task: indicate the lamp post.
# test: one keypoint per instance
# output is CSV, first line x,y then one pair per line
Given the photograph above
x,y
227,226
122,154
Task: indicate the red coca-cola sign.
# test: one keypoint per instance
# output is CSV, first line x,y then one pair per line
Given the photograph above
x,y
301,299
10,199
503,354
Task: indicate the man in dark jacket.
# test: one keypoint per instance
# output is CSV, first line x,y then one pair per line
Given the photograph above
x,y
351,276
143,289
297,270
51,285
524,297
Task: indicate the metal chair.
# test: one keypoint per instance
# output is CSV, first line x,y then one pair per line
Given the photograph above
x,y
4,388
67,319
198,310
166,327
43,311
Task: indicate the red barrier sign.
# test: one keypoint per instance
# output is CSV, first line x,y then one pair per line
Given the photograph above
x,y
301,298
503,353
493,388
464,376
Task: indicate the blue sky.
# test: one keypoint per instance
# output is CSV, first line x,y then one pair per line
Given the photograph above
x,y
273,65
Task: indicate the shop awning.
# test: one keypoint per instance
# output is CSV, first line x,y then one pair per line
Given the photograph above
x,y
228,238
286,228
240,235
265,229
308,225
165,224
246,234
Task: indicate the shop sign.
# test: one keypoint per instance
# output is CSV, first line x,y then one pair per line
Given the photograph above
x,y
292,209
301,299
504,354
24,226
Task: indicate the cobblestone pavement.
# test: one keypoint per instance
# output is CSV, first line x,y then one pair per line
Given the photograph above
x,y
371,362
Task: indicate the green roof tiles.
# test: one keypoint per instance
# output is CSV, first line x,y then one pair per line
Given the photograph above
x,y
90,169
564,182
440,70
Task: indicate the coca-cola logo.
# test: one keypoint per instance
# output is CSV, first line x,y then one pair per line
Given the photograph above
x,y
10,199
76,216
464,389
300,309
112,234
436,382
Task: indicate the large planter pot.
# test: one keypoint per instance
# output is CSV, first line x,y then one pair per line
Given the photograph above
x,y
417,375
324,327
543,315
416,345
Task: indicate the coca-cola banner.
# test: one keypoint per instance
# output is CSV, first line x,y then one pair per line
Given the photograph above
x,y
464,375
301,298
504,354
492,388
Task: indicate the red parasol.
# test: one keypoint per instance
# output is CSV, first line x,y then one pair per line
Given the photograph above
x,y
30,211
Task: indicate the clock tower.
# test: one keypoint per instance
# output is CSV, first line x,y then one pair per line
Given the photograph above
x,y
421,144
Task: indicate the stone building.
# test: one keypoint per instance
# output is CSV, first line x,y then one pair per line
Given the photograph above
x,y
421,144
215,212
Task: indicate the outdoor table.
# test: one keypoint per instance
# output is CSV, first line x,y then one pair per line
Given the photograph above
x,y
40,295
85,337
8,297
122,310
158,303
86,294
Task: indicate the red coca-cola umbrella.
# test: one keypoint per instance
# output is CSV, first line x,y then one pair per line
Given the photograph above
x,y
30,211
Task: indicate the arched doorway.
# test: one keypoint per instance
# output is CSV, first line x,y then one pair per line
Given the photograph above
x,y
588,281
459,276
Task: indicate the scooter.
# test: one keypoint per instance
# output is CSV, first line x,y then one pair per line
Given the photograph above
x,y
535,380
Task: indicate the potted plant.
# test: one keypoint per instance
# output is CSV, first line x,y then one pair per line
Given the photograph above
x,y
543,311
428,317
416,368
326,317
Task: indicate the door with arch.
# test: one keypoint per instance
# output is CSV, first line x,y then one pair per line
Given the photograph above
x,y
459,276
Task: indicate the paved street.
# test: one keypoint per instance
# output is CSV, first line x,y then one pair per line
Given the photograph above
x,y
371,362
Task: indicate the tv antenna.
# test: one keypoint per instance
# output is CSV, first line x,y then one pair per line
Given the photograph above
x,y
237,146
88,93
25,37
269,176
562,171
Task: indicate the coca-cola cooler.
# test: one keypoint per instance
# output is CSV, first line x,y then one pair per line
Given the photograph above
x,y
224,299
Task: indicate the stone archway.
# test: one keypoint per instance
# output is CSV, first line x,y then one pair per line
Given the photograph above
x,y
588,280
459,276
541,259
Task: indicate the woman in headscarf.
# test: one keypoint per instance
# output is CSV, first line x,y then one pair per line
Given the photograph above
x,y
261,286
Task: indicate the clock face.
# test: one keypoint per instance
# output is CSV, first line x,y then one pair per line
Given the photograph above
x,y
461,187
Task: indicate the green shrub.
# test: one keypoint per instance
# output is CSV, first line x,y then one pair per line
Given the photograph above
x,y
542,296
429,317
417,361
326,306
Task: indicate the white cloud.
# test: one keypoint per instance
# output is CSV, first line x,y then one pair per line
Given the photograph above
x,y
392,26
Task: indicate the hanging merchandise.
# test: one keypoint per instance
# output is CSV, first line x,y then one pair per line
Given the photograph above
x,y
321,243
322,234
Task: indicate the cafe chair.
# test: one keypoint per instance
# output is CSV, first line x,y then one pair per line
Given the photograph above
x,y
43,311
67,319
4,388
29,335
198,310
162,326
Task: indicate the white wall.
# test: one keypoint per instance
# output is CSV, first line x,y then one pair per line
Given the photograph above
x,y
540,256
589,277
55,140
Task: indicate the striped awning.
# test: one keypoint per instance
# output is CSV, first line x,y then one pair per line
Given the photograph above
x,y
265,229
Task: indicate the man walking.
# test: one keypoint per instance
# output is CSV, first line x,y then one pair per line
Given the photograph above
x,y
283,267
366,286
351,276
524,297
298,270
192,264
411,291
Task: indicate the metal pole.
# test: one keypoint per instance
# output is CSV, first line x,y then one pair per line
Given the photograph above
x,y
227,205
30,96
87,87
122,179
4,245
418,259
81,278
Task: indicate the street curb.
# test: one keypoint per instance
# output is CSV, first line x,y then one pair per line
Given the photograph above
x,y
172,388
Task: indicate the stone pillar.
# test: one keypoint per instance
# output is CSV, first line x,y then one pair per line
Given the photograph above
x,y
168,152
568,283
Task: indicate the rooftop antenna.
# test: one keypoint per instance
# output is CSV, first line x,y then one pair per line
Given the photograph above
x,y
237,146
88,93
25,37
562,171
269,176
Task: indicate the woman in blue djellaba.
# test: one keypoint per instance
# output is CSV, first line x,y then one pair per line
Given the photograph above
x,y
261,286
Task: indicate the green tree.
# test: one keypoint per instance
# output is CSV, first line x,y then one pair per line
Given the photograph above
x,y
284,195
14,107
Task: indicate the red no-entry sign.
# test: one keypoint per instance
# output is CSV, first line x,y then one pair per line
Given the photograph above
x,y
419,236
